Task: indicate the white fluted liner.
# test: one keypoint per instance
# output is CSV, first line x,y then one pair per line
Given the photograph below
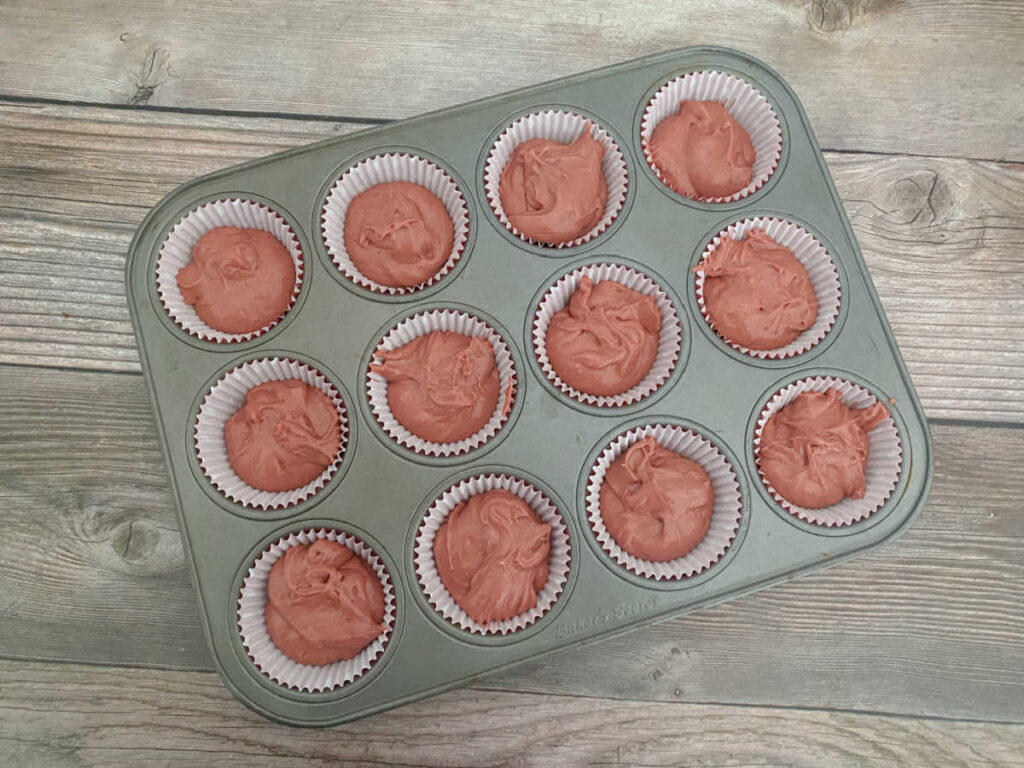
x,y
176,252
225,398
252,625
382,169
426,569
820,269
670,339
745,103
885,453
564,127
421,325
726,510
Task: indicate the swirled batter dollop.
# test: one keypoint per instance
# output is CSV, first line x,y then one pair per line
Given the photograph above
x,y
554,192
701,151
606,340
442,387
285,435
324,603
814,450
398,233
238,280
655,503
492,554
757,293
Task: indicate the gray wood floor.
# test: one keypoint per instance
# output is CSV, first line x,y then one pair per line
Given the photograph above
x,y
913,655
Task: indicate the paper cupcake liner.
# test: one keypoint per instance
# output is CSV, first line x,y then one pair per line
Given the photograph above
x,y
252,626
820,269
421,325
746,105
564,127
176,252
426,569
379,170
225,398
670,340
885,454
725,513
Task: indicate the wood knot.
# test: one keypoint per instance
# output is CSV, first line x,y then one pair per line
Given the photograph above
x,y
837,15
152,74
144,546
135,542
924,198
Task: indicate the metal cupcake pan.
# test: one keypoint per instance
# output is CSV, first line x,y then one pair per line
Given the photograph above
x,y
381,492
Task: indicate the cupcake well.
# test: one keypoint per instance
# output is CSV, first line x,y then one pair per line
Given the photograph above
x,y
669,342
885,454
381,169
564,127
225,398
433,588
821,270
252,628
726,511
422,324
745,103
176,252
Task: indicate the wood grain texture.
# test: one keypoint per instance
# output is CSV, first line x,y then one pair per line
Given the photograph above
x,y
943,238
74,185
91,569
69,716
91,562
921,76
106,554
944,242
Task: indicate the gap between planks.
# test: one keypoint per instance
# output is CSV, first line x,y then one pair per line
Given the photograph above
x,y
369,122
930,76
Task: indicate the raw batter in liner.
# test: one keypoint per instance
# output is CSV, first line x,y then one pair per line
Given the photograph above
x,y
324,603
606,340
239,280
284,436
814,451
442,387
756,292
702,152
492,555
553,192
398,234
655,503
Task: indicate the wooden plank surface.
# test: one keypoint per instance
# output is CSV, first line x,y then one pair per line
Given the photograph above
x,y
920,76
921,102
91,569
943,239
70,716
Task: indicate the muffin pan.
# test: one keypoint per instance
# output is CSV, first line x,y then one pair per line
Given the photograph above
x,y
380,497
